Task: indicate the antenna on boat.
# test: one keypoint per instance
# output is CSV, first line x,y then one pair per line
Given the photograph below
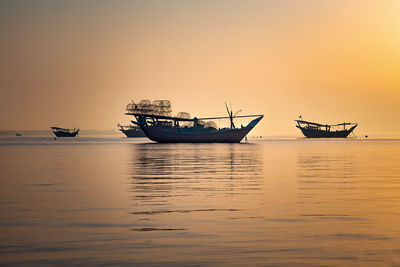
x,y
237,112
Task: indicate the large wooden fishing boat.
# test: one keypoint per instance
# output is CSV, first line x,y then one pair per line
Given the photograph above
x,y
131,131
63,132
156,122
317,130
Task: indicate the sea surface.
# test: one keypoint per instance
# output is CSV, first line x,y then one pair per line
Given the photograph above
x,y
269,202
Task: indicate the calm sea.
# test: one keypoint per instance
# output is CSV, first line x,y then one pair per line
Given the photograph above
x,y
271,202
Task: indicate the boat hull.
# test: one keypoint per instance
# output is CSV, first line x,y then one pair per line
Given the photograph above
x,y
162,134
61,134
315,133
136,132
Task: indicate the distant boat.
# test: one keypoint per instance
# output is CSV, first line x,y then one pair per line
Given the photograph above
x,y
131,131
316,130
18,134
63,132
158,125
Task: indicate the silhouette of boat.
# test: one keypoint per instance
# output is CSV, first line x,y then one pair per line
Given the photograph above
x,y
18,134
63,132
156,122
131,131
316,130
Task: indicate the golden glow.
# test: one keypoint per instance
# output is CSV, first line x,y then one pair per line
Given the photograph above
x,y
79,64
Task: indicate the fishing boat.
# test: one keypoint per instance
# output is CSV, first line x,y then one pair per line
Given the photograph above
x,y
131,131
317,130
155,120
63,132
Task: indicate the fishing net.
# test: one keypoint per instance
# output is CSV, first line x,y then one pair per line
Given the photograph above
x,y
157,103
145,107
162,108
203,123
145,103
130,107
211,124
183,115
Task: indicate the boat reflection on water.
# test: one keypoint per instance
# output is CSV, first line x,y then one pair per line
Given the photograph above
x,y
165,173
331,197
322,167
322,175
289,202
185,197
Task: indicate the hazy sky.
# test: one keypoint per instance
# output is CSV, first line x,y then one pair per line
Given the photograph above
x,y
78,63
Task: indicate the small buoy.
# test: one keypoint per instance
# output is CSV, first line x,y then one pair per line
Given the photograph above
x,y
366,136
55,138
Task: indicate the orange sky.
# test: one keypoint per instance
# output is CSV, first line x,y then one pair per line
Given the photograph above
x,y
77,64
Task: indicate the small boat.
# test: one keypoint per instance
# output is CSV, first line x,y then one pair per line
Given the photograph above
x,y
63,132
317,130
158,125
18,134
131,131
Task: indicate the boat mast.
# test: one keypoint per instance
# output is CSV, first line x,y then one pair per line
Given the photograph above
x,y
230,114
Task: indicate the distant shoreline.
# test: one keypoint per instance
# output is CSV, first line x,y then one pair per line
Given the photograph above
x,y
49,133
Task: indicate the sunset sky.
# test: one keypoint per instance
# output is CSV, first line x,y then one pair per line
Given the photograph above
x,y
78,63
